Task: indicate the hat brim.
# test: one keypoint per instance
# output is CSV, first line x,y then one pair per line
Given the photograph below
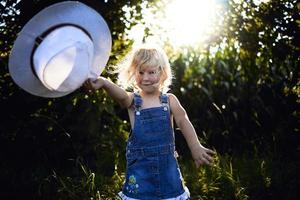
x,y
69,12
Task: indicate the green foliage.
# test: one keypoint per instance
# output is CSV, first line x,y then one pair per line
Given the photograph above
x,y
241,94
43,140
88,185
215,182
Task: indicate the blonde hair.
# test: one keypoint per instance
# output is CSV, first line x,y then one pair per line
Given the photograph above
x,y
145,56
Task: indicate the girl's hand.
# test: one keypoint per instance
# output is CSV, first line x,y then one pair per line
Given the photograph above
x,y
92,85
202,155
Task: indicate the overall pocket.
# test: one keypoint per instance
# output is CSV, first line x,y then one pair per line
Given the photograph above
x,y
157,125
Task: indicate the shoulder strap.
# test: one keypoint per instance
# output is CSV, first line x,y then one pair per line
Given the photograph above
x,y
137,100
164,99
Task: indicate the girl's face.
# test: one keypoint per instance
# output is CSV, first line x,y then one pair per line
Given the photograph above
x,y
148,79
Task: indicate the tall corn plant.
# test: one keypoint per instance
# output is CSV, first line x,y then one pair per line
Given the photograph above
x,y
242,95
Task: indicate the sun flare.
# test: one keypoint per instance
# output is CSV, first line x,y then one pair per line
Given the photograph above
x,y
190,21
180,22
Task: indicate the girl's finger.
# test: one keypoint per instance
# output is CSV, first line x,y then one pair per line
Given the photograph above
x,y
198,162
208,157
210,151
205,160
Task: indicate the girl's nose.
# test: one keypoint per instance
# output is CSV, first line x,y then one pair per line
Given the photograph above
x,y
145,77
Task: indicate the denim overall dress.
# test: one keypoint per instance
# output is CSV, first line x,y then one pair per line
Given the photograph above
x,y
152,169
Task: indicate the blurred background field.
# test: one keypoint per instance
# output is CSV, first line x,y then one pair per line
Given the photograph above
x,y
236,66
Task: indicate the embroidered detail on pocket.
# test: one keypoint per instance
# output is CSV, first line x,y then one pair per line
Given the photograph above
x,y
132,186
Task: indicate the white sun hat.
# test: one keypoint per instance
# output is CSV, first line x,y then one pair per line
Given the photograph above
x,y
59,48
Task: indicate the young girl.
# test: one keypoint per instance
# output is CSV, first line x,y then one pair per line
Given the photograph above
x,y
152,169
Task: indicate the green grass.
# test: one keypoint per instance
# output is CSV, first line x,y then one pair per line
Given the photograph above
x,y
229,178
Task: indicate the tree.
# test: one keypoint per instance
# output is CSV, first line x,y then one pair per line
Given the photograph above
x,y
51,147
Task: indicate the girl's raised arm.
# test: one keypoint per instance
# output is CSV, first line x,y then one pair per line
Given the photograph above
x,y
117,93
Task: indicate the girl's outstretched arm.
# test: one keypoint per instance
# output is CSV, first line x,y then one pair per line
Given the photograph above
x,y
113,90
201,155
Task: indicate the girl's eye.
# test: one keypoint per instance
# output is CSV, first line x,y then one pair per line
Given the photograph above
x,y
153,72
141,73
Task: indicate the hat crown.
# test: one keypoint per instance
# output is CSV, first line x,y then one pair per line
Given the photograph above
x,y
63,65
